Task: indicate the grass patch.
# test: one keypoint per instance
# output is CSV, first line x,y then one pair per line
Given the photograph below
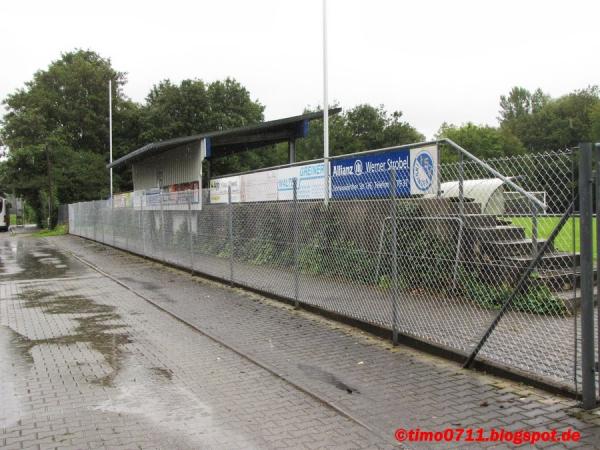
x,y
58,231
564,241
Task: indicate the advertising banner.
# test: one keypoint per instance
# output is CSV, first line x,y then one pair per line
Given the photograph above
x,y
219,189
362,176
259,186
424,170
180,194
310,184
124,200
271,185
368,176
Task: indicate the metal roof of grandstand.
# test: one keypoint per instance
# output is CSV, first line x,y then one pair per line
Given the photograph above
x,y
224,142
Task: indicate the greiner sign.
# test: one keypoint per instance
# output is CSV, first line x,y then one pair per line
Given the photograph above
x,y
271,185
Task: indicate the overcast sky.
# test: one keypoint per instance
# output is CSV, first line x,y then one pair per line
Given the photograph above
x,y
434,60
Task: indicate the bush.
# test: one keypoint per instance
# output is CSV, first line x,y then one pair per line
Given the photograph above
x,y
537,299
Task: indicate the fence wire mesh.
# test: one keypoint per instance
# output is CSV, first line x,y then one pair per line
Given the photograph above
x,y
437,268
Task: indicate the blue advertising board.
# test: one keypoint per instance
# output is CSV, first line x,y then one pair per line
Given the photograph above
x,y
369,175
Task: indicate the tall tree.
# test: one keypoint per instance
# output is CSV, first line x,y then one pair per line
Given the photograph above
x,y
194,107
551,124
481,140
56,131
520,103
363,127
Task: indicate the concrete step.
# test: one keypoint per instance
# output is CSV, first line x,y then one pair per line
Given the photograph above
x,y
479,220
572,299
559,279
497,233
469,208
551,260
502,221
504,249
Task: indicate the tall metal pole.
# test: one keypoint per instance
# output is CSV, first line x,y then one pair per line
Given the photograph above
x,y
325,105
49,170
231,255
110,133
597,205
296,253
588,382
143,196
189,229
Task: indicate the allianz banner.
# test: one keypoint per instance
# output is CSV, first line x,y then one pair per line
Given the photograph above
x,y
369,175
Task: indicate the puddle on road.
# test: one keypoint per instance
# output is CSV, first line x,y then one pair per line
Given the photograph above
x,y
170,407
326,377
15,364
147,285
161,372
29,258
95,326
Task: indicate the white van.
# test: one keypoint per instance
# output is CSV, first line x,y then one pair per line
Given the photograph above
x,y
4,215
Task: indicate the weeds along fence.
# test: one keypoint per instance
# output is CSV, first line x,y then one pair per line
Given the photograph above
x,y
438,268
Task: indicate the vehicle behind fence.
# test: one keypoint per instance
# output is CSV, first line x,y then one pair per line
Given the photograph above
x,y
486,267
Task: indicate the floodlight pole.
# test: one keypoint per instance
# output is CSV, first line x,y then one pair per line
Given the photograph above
x,y
325,107
110,134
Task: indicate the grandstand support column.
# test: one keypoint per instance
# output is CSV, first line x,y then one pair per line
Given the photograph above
x,y
292,151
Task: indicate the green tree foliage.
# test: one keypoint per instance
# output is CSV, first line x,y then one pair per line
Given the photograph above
x,y
56,130
595,120
542,123
520,102
481,140
363,127
194,107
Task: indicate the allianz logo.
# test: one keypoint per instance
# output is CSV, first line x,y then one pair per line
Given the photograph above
x,y
340,170
359,167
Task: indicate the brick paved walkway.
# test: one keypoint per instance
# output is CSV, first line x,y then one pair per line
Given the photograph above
x,y
380,386
86,363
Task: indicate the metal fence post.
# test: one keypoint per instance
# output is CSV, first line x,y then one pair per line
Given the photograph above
x,y
127,227
230,235
461,185
296,256
189,230
534,229
162,226
142,222
112,220
102,218
597,208
394,230
588,383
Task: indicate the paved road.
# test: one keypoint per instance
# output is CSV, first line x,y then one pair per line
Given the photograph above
x,y
86,363
89,362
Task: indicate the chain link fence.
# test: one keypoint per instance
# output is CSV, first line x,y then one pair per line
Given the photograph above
x,y
440,268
